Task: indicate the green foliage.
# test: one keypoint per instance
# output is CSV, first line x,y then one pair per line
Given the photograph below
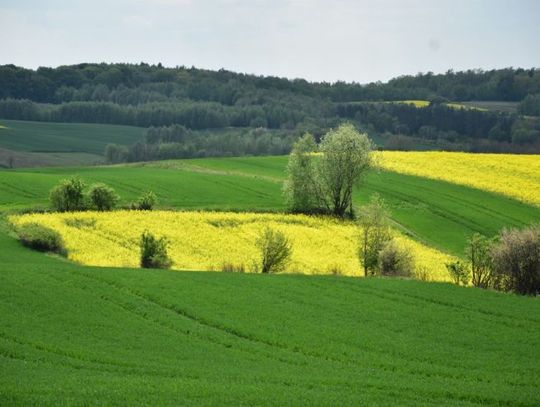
x,y
530,105
516,260
478,253
373,219
68,195
146,201
102,197
459,272
301,185
325,182
275,250
115,153
346,156
41,238
154,252
395,261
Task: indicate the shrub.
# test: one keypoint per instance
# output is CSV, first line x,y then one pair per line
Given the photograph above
x,y
459,272
516,260
275,250
41,238
374,222
154,251
395,261
102,197
146,202
68,195
479,256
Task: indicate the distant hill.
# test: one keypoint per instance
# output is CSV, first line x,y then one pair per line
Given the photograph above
x,y
143,83
154,96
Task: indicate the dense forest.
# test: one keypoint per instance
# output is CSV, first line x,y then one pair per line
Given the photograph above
x,y
279,109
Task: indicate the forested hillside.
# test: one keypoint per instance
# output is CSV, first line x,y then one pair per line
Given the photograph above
x,y
154,96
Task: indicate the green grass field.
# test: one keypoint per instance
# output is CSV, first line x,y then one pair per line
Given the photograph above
x,y
65,137
71,334
79,335
438,213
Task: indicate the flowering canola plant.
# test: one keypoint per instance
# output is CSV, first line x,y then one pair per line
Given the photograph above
x,y
513,175
209,240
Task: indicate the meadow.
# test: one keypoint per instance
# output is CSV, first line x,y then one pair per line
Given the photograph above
x,y
72,334
43,137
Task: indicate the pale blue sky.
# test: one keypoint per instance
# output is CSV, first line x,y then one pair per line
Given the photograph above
x,y
320,40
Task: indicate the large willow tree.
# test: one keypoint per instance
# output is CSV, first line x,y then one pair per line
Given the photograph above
x,y
324,181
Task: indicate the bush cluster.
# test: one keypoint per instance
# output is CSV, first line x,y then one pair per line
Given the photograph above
x,y
275,249
68,195
71,195
146,202
41,238
395,261
154,251
102,197
511,262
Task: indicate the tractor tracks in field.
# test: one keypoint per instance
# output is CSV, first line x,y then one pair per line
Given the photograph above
x,y
412,299
201,322
271,346
182,166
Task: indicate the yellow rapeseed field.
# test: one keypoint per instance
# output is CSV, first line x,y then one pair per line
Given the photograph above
x,y
513,175
415,103
208,240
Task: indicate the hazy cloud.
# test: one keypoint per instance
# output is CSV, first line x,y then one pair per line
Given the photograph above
x,y
353,40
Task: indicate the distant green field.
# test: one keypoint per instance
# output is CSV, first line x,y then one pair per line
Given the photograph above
x,y
438,213
79,335
65,137
22,159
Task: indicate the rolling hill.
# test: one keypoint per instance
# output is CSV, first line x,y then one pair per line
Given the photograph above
x,y
71,334
65,137
435,212
35,144
126,336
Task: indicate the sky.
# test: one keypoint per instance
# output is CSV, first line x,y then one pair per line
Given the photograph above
x,y
319,40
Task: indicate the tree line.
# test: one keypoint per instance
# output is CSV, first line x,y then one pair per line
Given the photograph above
x,y
440,123
154,96
143,83
177,141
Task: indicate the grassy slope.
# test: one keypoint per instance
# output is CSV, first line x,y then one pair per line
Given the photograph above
x,y
174,188
65,137
25,159
115,336
441,214
70,334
